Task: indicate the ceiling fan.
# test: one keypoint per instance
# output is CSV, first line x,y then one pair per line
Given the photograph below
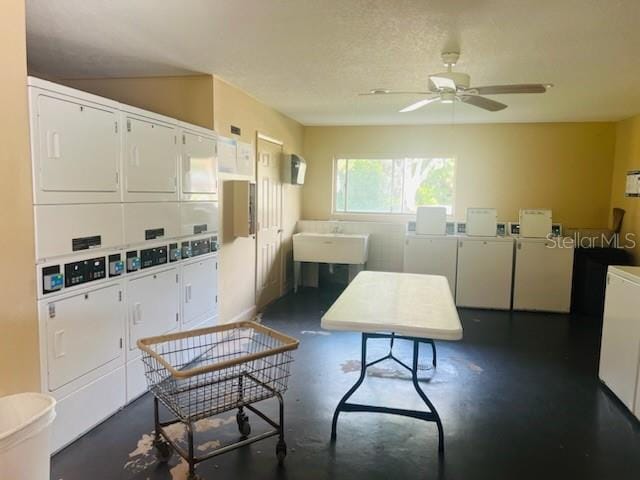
x,y
449,87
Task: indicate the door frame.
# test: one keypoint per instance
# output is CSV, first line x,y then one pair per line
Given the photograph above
x,y
266,138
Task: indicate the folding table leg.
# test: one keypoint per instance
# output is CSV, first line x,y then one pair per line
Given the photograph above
x,y
416,384
363,373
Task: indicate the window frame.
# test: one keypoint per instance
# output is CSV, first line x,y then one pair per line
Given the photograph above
x,y
389,215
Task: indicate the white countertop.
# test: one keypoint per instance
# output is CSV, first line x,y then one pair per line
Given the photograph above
x,y
403,303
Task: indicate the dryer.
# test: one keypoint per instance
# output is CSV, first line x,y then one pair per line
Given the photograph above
x,y
484,272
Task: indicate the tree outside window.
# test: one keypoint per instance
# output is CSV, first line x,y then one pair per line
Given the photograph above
x,y
388,185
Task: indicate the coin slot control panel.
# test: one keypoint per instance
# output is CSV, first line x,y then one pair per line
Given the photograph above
x,y
77,273
116,265
52,279
133,261
151,257
213,243
200,247
185,250
174,252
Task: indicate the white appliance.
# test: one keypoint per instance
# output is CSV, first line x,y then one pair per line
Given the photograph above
x,y
125,217
620,350
484,274
433,255
431,220
482,222
535,223
543,274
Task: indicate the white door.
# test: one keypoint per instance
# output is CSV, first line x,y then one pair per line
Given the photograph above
x,y
78,149
484,274
200,291
199,167
151,159
84,332
433,256
153,305
269,223
543,275
620,350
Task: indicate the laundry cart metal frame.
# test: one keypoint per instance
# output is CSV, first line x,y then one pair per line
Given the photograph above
x,y
201,373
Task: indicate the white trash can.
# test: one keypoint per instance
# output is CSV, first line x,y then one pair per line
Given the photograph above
x,y
25,421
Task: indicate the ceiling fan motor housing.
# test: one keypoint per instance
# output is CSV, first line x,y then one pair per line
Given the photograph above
x,y
462,80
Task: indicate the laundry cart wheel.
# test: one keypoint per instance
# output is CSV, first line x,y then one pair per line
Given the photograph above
x,y
164,451
281,451
243,424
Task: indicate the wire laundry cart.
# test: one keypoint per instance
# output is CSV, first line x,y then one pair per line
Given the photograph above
x,y
208,371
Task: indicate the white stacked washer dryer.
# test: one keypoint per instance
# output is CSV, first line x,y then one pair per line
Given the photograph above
x,y
126,221
485,263
431,247
544,265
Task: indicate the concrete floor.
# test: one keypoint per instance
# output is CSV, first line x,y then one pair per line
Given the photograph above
x,y
519,399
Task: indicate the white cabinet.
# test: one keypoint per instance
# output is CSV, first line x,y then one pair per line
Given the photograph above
x,y
153,306
151,221
199,166
620,350
433,255
83,332
200,291
75,147
484,275
67,229
150,158
198,217
543,274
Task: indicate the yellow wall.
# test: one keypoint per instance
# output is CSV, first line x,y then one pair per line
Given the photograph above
x,y
232,106
627,157
19,365
566,167
187,98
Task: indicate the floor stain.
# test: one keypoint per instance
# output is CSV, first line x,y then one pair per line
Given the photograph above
x,y
143,457
180,471
212,445
314,332
211,423
381,372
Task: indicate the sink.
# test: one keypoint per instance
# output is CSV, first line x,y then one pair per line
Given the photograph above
x,y
330,248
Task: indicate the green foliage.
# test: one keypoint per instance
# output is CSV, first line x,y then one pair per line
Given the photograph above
x,y
376,185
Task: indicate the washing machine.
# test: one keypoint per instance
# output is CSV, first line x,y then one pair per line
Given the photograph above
x,y
484,272
432,254
543,274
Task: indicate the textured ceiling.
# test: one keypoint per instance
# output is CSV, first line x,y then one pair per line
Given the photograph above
x,y
310,58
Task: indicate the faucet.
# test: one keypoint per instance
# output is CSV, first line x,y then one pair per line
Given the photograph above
x,y
337,228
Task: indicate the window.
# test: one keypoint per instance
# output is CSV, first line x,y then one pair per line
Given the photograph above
x,y
393,185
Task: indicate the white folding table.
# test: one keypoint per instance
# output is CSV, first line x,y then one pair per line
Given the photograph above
x,y
403,306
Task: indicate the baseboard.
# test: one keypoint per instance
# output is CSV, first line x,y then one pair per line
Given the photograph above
x,y
243,316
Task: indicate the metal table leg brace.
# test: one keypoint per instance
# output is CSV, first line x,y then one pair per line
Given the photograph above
x,y
430,416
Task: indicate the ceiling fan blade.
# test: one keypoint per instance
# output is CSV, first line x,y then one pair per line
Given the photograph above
x,y
442,83
482,102
506,89
392,92
420,104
